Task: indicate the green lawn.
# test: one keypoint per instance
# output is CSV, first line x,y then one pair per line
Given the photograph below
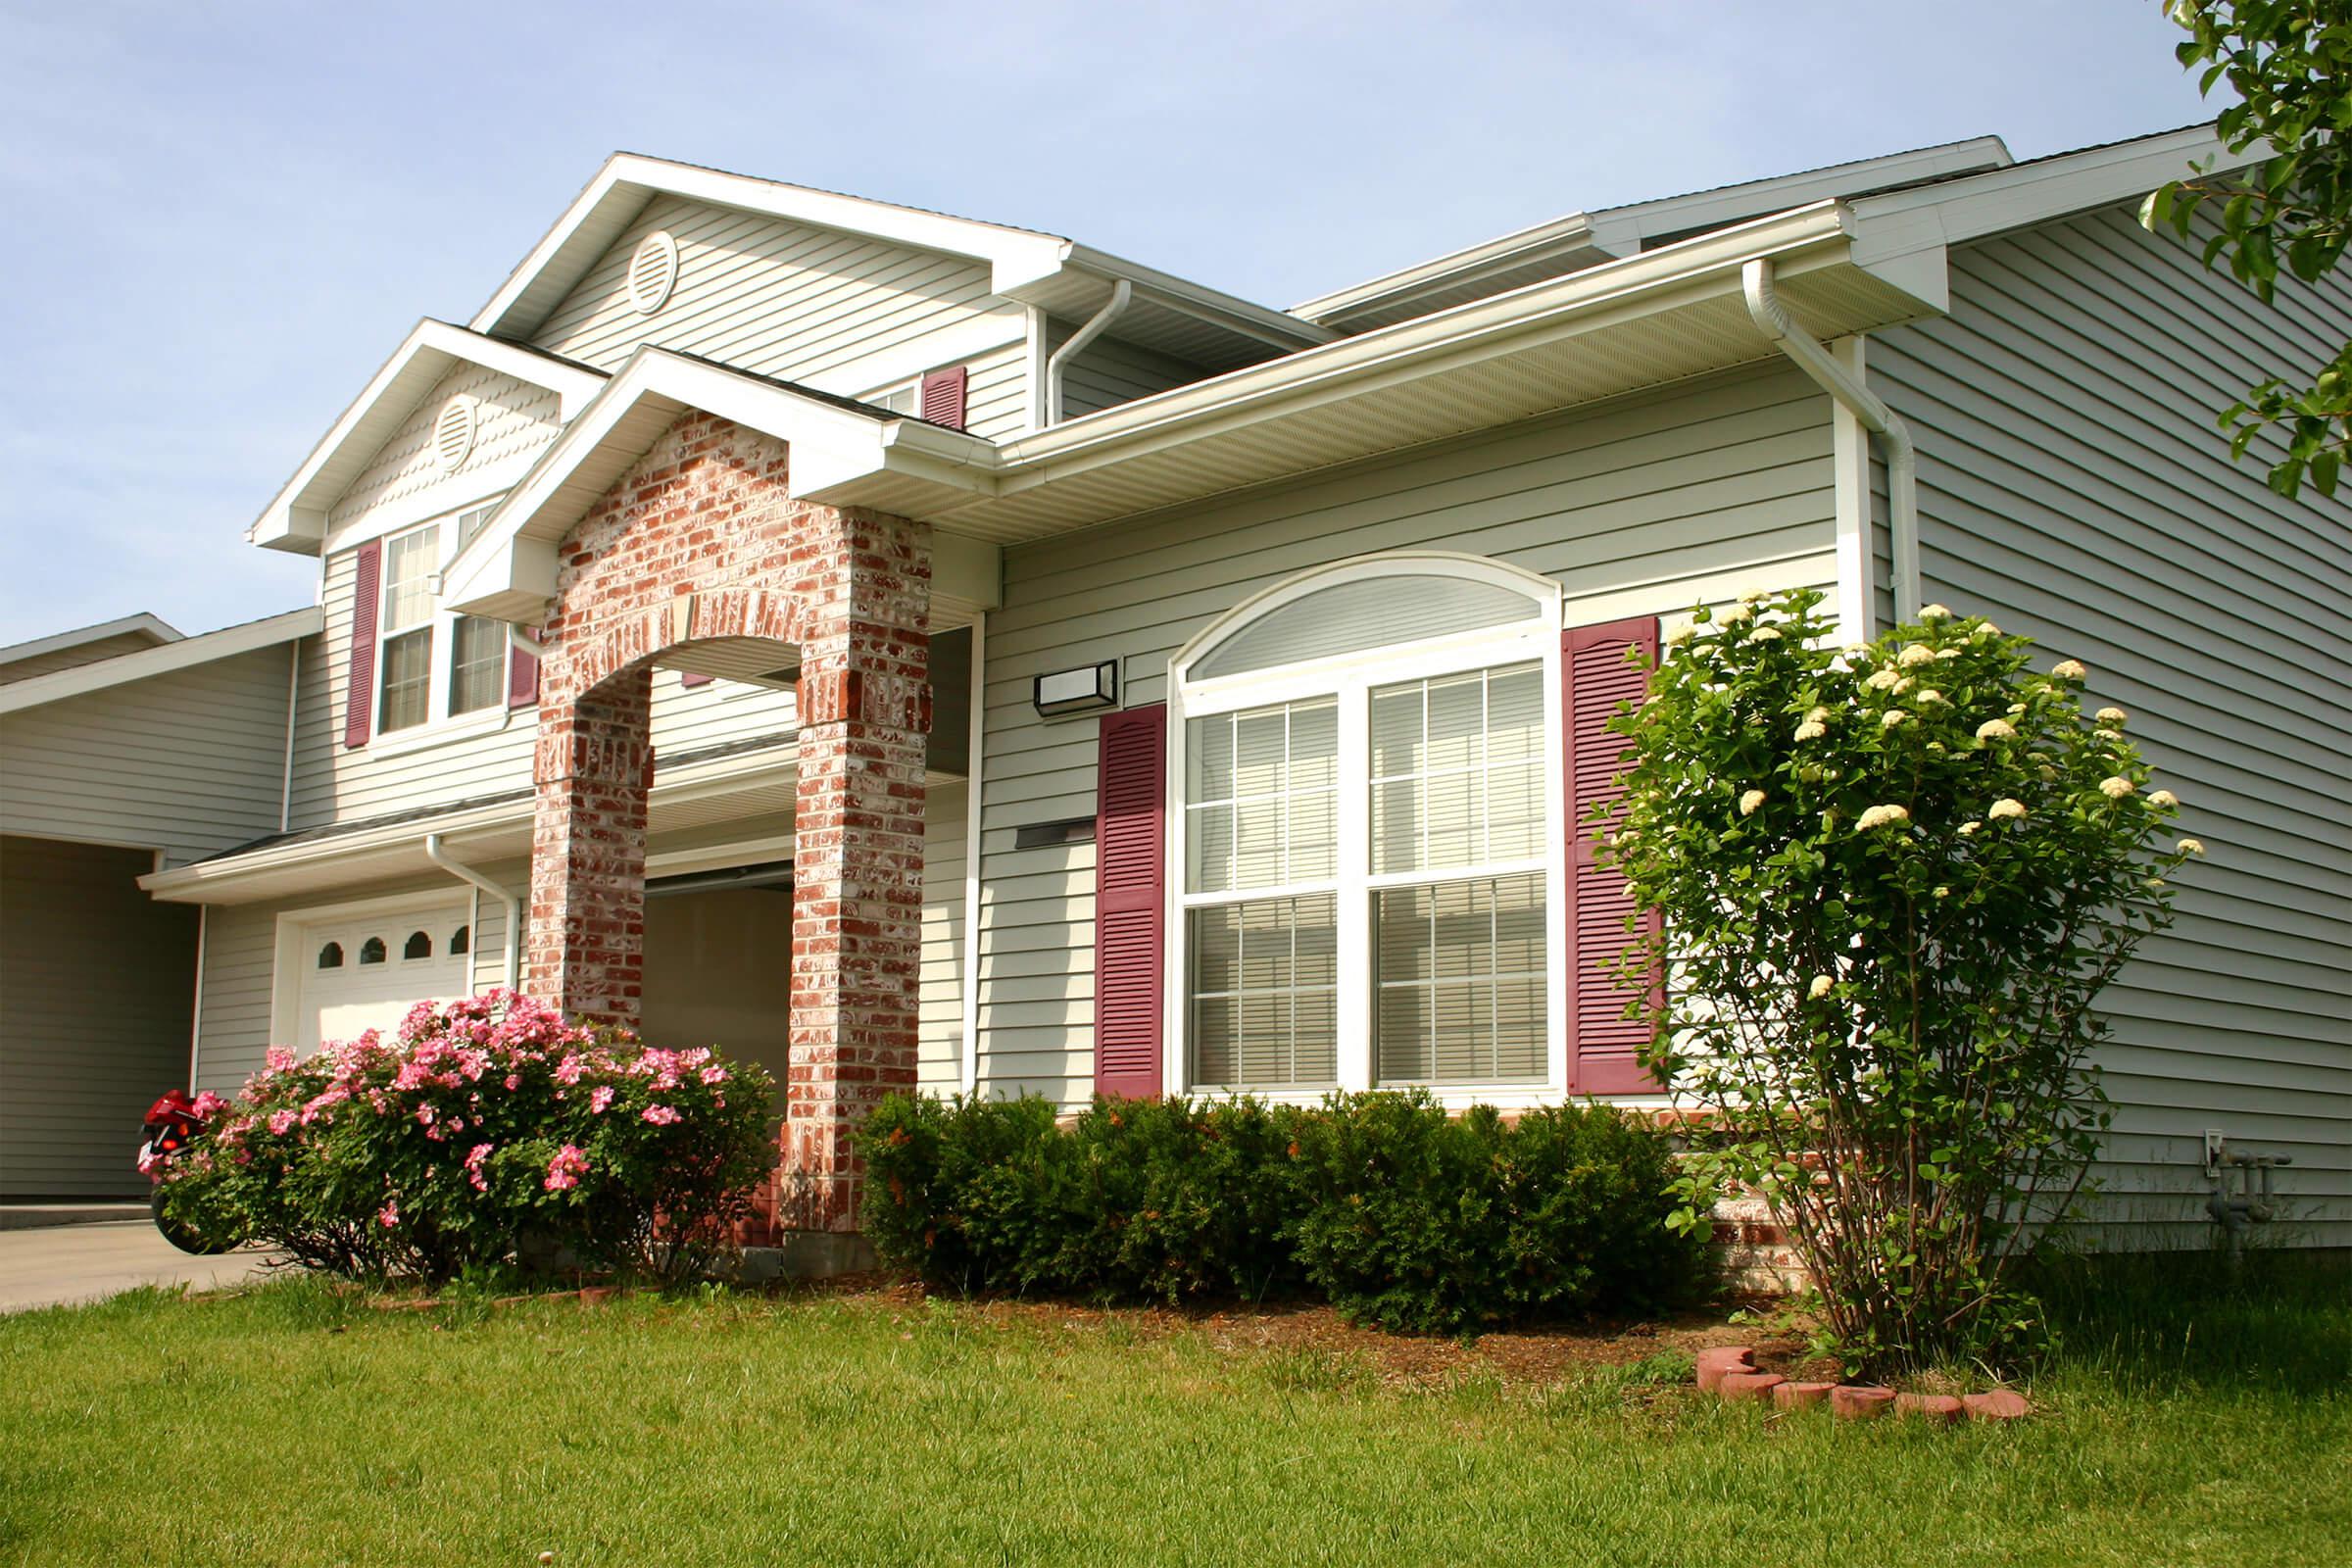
x,y
291,1425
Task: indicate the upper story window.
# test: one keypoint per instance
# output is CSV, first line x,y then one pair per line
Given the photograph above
x,y
1368,840
432,664
906,398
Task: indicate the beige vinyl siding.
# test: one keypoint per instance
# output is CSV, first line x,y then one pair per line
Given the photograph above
x,y
940,1011
129,642
98,983
512,419
189,762
2073,488
1645,505
232,1022
1107,372
996,396
770,296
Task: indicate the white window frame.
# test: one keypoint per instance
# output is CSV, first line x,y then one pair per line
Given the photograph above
x,y
298,932
1352,678
440,724
912,385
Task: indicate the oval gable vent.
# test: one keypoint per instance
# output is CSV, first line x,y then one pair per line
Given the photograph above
x,y
653,272
453,434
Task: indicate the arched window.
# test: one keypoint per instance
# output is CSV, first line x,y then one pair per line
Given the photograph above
x,y
1368,853
461,941
331,957
372,950
418,945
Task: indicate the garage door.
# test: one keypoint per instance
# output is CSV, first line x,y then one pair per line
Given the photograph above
x,y
367,973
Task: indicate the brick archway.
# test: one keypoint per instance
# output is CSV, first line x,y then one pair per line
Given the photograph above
x,y
699,541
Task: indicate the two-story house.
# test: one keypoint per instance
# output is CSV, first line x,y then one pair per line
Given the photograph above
x,y
912,650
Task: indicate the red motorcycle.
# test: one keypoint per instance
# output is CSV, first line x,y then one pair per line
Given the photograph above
x,y
172,1123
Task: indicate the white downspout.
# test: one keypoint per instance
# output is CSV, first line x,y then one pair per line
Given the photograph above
x,y
1894,438
524,642
1122,293
440,857
286,792
978,721
196,1020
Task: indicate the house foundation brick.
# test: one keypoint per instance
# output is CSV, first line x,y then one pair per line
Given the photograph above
x,y
701,542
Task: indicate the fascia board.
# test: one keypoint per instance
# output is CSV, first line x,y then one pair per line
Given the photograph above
x,y
1897,225
296,518
162,659
57,641
1570,232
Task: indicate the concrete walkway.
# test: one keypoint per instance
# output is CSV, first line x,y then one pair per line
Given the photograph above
x,y
67,1263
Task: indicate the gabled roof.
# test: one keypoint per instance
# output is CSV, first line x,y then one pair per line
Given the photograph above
x,y
180,653
1587,239
149,628
1173,315
296,518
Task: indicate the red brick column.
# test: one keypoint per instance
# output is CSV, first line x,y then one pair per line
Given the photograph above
x,y
593,762
858,857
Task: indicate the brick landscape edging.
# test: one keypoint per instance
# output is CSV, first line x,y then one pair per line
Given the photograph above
x,y
1730,1372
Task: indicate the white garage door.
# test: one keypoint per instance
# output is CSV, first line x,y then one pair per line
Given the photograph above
x,y
367,972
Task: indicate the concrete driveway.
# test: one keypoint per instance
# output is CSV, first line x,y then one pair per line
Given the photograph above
x,y
66,1264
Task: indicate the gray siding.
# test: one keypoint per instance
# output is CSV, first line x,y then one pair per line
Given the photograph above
x,y
129,642
189,762
1108,372
1648,505
2073,488
779,298
96,983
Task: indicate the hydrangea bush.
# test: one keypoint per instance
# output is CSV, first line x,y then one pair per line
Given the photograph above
x,y
485,1125
1894,877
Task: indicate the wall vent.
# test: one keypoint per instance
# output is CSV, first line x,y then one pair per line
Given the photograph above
x,y
653,272
453,434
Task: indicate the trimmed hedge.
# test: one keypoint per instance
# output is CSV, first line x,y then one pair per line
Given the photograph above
x,y
1381,1203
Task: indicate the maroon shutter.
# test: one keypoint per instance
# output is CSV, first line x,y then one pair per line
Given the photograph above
x,y
367,615
1130,907
1596,681
942,397
523,676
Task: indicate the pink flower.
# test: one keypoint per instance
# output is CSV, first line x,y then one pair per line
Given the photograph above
x,y
282,1122
514,1082
473,1167
567,1168
424,1116
602,1098
660,1115
208,1104
388,1215
279,1059
714,1075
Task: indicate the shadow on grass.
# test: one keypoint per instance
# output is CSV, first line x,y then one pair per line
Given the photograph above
x,y
2159,1321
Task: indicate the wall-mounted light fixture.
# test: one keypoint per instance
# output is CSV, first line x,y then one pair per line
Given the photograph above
x,y
1076,691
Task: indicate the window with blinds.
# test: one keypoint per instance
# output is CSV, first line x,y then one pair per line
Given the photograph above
x,y
407,649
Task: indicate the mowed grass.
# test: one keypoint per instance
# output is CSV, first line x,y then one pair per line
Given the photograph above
x,y
2195,1423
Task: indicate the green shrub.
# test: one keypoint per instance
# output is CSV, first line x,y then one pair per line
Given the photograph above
x,y
487,1122
1382,1203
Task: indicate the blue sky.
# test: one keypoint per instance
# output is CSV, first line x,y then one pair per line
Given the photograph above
x,y
225,215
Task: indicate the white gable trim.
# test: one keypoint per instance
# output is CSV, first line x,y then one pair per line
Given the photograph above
x,y
153,628
296,518
509,571
179,653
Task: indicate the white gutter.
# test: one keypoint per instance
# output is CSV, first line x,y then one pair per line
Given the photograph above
x,y
440,857
1894,438
1122,293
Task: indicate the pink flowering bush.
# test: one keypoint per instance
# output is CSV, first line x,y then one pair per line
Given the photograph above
x,y
483,1125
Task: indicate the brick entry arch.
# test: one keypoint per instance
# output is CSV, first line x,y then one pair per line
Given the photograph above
x,y
700,541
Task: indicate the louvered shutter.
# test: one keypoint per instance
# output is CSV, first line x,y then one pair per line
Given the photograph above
x,y
366,616
1130,907
523,676
942,397
1596,681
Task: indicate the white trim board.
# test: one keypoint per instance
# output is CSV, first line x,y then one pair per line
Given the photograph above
x,y
163,659
154,628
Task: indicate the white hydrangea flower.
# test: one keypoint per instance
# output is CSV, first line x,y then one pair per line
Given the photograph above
x,y
2190,847
1985,629
1880,816
1811,730
1680,634
1931,695
1753,596
1933,612
1764,634
1915,653
2163,799
1820,988
1731,615
1750,801
1881,680
2114,788
1997,729
1944,893
1948,653
2069,669
2017,710
1891,717
1902,686
1855,651
1968,829
2005,807
2112,716
1817,716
